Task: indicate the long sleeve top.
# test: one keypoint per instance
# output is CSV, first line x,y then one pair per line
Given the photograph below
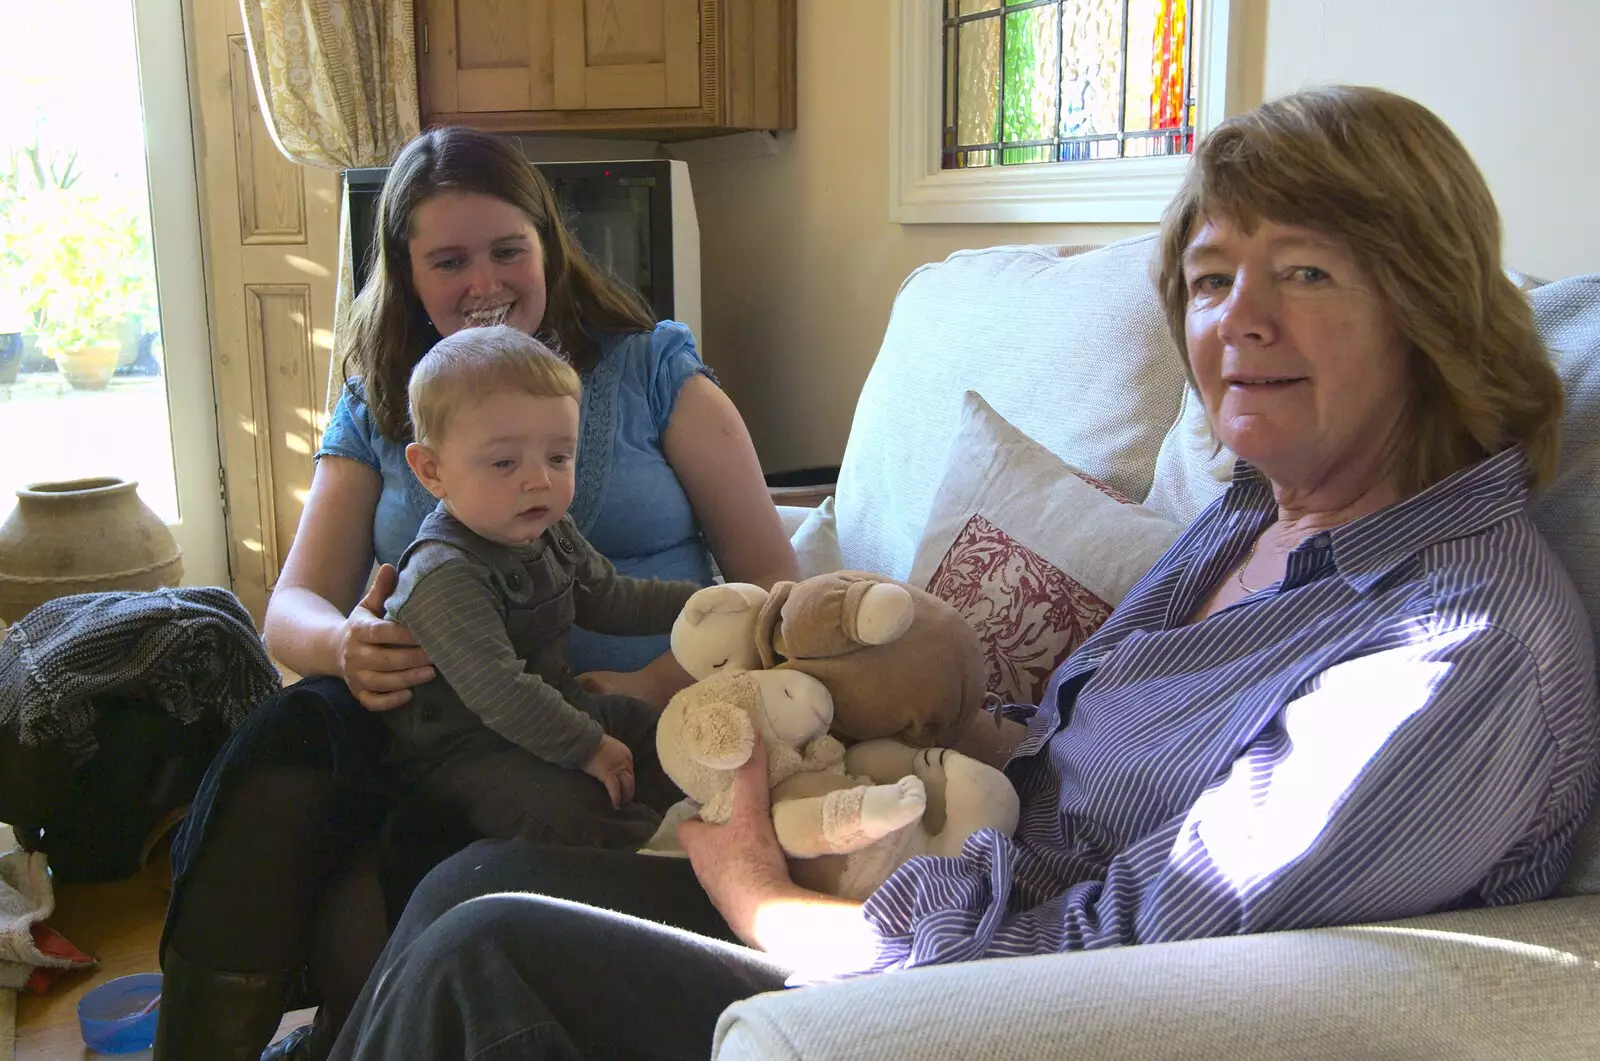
x,y
502,657
1406,723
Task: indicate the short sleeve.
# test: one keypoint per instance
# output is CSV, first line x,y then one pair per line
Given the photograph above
x,y
349,431
674,359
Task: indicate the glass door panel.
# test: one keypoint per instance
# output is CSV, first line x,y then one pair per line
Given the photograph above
x,y
101,294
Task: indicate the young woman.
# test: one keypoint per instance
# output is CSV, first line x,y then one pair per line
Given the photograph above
x,y
276,877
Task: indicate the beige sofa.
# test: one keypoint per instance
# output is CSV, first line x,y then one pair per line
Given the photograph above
x,y
1070,346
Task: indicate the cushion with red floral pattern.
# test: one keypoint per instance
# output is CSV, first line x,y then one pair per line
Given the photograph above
x,y
1032,551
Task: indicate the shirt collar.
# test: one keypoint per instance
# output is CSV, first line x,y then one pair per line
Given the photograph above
x,y
1367,550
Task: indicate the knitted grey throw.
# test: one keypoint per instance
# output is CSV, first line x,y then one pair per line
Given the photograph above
x,y
189,651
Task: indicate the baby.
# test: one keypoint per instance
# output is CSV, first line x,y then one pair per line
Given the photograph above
x,y
495,578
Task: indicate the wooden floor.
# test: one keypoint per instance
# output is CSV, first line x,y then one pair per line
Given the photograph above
x,y
120,924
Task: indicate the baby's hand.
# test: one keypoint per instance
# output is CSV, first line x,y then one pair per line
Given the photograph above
x,y
612,766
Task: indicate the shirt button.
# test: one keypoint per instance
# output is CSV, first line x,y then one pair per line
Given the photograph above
x,y
1322,541
514,581
566,544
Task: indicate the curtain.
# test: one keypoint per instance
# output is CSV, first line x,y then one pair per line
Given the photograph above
x,y
337,80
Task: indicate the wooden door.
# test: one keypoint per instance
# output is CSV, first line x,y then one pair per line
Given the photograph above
x,y
499,56
270,230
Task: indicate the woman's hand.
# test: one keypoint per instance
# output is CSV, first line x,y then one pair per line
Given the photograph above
x,y
379,659
746,876
740,864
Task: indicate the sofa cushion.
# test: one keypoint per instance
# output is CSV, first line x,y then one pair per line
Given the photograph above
x,y
1193,469
1031,551
1568,511
1511,982
1068,345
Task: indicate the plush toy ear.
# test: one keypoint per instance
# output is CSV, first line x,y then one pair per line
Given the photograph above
x,y
719,735
713,632
876,613
769,642
726,599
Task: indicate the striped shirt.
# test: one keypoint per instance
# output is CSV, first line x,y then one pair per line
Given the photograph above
x,y
1407,722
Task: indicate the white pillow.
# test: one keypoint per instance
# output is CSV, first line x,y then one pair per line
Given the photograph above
x,y
1033,552
816,542
1193,469
1071,347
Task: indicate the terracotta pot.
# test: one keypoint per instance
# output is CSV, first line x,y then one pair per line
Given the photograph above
x,y
82,536
90,368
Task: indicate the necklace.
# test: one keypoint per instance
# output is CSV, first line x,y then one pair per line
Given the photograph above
x,y
1238,576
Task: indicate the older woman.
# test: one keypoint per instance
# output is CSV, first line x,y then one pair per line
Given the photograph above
x,y
1359,686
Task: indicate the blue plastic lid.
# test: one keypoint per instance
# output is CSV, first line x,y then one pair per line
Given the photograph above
x,y
109,1018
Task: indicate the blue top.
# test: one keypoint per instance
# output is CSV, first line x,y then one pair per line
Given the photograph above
x,y
1406,723
628,504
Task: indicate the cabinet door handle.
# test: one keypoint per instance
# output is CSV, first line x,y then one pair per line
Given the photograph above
x,y
424,38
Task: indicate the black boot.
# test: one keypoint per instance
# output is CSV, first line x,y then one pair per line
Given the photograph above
x,y
207,1015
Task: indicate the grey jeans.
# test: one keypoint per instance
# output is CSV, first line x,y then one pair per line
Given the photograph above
x,y
502,790
511,950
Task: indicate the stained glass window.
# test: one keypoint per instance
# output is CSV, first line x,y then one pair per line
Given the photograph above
x,y
1067,80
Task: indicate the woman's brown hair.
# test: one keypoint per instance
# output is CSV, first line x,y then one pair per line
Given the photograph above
x,y
1383,176
388,331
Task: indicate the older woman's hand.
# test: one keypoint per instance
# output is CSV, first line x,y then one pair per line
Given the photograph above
x,y
743,870
378,659
740,864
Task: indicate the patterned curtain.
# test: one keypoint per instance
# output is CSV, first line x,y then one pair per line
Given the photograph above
x,y
1167,105
337,78
337,81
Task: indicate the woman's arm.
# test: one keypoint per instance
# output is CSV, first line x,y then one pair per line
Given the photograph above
x,y
710,451
709,448
1403,782
317,621
743,871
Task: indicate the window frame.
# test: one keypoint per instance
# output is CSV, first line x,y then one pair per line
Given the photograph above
x,y
1116,190
161,37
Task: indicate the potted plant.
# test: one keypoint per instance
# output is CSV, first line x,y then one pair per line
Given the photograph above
x,y
87,269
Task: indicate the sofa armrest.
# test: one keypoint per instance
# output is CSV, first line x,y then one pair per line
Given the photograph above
x,y
1518,981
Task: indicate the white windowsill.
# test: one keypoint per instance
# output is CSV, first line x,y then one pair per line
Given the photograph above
x,y
1124,190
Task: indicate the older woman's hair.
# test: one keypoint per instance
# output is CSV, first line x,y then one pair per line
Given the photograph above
x,y
1386,178
474,363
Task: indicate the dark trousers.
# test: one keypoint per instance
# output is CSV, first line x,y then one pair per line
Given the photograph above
x,y
501,790
301,851
511,950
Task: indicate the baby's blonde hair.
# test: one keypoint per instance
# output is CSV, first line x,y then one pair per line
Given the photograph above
x,y
466,367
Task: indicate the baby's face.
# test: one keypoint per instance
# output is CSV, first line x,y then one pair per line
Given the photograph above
x,y
507,465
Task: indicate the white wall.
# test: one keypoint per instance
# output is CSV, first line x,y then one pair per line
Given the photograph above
x,y
1514,78
801,262
800,259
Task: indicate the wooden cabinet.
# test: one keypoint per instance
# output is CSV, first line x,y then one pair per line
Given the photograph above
x,y
670,68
